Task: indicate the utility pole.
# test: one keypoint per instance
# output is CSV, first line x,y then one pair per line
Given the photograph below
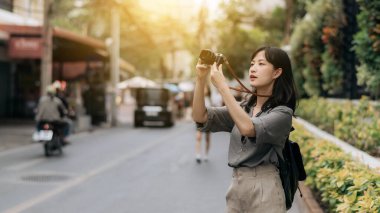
x,y
115,55
47,40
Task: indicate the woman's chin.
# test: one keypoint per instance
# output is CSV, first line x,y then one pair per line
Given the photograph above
x,y
253,84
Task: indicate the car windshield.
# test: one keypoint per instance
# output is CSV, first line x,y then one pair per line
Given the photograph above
x,y
152,97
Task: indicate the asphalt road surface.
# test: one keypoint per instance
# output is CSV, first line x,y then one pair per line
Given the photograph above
x,y
123,169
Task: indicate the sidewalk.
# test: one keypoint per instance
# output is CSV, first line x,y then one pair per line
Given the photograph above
x,y
15,134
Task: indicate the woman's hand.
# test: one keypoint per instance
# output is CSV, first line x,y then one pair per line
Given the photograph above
x,y
202,69
217,76
240,117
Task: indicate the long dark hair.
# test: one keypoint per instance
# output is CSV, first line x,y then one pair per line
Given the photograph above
x,y
284,89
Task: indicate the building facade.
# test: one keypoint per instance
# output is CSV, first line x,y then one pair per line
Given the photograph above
x,y
80,61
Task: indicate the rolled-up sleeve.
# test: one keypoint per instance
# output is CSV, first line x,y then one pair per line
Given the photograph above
x,y
273,127
218,120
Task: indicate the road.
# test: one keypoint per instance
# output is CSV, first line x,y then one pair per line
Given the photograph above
x,y
121,169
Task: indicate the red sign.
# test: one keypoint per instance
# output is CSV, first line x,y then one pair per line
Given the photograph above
x,y
24,47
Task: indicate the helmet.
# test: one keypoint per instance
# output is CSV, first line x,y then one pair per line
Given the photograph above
x,y
57,85
50,89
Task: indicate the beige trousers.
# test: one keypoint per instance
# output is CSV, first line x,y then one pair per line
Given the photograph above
x,y
256,189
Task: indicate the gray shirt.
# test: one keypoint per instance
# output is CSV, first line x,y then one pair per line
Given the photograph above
x,y
272,128
48,109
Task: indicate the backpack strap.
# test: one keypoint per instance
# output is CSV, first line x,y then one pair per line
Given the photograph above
x,y
300,190
279,149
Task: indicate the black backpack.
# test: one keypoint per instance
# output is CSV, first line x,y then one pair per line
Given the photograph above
x,y
291,170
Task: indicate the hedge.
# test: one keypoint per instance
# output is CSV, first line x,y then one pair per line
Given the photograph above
x,y
367,45
358,124
343,184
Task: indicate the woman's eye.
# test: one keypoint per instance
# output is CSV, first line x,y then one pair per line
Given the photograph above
x,y
261,64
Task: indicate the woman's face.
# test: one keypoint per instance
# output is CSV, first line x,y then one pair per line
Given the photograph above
x,y
261,72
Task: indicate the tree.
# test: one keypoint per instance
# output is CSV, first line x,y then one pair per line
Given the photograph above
x,y
243,29
145,37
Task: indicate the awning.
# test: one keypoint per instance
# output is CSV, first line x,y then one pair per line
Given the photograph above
x,y
4,36
67,46
72,47
136,82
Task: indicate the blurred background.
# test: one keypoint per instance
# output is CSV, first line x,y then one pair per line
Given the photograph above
x,y
94,45
113,59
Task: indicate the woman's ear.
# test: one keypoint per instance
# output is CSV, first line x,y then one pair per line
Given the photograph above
x,y
277,72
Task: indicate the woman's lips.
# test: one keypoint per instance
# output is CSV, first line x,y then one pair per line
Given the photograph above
x,y
252,76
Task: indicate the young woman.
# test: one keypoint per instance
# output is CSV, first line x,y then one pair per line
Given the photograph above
x,y
258,128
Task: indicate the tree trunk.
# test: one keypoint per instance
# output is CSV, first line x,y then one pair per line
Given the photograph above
x,y
289,18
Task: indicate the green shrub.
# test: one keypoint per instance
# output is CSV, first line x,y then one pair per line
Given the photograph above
x,y
344,185
358,124
316,44
367,45
332,37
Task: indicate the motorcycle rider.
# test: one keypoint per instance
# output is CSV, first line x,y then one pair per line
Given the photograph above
x,y
68,113
49,109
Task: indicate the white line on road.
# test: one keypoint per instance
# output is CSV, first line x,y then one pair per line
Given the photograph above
x,y
38,199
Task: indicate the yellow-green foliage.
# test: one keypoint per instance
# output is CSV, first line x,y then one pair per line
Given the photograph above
x,y
357,124
345,185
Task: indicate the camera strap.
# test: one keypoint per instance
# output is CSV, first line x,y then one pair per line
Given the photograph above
x,y
244,88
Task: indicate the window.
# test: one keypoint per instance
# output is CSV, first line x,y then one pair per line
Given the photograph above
x,y
6,5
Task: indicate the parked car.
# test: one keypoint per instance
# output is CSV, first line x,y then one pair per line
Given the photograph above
x,y
154,105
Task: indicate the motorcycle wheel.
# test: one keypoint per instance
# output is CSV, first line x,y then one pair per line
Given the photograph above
x,y
53,146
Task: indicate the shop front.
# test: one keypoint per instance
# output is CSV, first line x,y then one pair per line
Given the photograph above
x,y
81,62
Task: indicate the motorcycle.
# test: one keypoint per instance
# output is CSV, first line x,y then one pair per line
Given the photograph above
x,y
50,134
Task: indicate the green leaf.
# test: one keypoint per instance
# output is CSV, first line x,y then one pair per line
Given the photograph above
x,y
352,198
340,183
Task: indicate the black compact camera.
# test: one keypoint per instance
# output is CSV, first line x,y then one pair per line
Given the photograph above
x,y
209,57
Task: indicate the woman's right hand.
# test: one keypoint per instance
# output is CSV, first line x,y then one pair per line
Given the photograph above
x,y
202,70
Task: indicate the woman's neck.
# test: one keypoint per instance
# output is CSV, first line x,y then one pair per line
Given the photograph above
x,y
263,91
260,101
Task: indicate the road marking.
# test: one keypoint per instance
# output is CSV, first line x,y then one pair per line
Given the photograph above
x,y
45,196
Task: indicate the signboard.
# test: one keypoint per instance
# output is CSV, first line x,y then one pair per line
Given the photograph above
x,y
25,47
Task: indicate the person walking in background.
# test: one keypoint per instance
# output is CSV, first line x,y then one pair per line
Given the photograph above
x,y
258,128
198,144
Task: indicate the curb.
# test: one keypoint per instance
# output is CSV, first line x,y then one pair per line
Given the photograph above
x,y
308,198
356,153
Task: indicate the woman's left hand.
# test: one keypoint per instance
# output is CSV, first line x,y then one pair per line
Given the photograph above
x,y
217,77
